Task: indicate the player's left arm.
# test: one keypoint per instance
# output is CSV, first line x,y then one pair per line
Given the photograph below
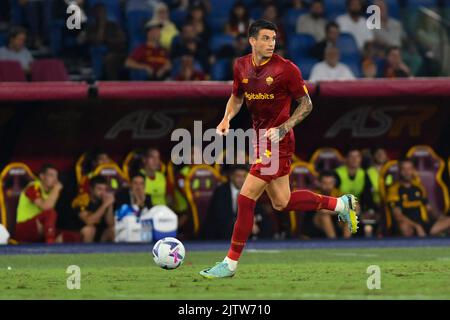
x,y
297,88
302,110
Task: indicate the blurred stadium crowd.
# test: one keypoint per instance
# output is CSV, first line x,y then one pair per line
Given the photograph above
x,y
199,39
405,197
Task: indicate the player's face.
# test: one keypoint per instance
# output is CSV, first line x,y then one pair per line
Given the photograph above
x,y
49,178
102,159
354,159
407,171
264,43
99,191
327,184
153,160
19,41
380,156
238,178
138,185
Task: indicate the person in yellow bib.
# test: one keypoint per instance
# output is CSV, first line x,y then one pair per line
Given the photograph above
x,y
156,183
36,215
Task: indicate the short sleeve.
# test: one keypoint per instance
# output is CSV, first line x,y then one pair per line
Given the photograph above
x,y
138,54
237,84
32,193
295,83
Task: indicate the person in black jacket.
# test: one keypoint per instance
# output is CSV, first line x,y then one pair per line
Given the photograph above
x,y
222,210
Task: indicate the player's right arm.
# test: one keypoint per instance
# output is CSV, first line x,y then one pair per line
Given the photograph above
x,y
234,103
50,202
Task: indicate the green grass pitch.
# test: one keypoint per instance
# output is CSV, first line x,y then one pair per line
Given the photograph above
x,y
406,273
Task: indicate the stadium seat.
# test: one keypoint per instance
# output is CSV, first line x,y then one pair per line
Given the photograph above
x,y
299,46
220,70
306,65
217,24
256,12
290,19
219,41
348,47
113,174
176,67
303,176
97,54
14,178
48,70
334,8
221,8
198,198
421,3
354,65
11,71
326,159
135,26
178,17
113,8
3,39
430,168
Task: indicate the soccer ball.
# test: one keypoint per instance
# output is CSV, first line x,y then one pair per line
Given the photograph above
x,y
168,253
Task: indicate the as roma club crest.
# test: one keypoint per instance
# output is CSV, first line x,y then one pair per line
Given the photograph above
x,y
269,80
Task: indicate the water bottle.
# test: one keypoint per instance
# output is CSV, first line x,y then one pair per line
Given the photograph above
x,y
146,230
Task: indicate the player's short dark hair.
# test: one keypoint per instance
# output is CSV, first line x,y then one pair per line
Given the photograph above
x,y
45,167
326,173
97,180
137,174
255,27
403,160
392,48
149,150
330,25
351,149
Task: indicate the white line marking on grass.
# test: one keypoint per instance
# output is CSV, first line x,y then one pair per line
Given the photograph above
x,y
353,254
262,251
443,258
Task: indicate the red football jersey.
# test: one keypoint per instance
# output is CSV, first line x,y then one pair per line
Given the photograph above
x,y
268,90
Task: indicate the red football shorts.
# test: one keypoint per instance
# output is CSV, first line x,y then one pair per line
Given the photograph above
x,y
284,168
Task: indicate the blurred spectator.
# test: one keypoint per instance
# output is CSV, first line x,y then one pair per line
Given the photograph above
x,y
410,207
189,43
16,50
36,16
332,33
134,196
168,30
188,71
96,214
313,22
434,46
353,179
331,68
141,5
239,20
368,65
324,222
391,32
151,57
395,67
297,4
36,215
93,160
156,183
239,48
197,17
354,23
222,210
109,35
270,13
186,4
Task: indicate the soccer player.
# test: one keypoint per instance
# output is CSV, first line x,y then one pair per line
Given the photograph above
x,y
268,83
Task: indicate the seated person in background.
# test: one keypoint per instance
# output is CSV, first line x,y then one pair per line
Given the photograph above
x,y
331,68
322,222
351,177
380,157
96,215
109,34
36,215
134,196
189,42
391,31
222,210
93,160
331,36
239,20
16,50
150,56
395,67
156,183
169,29
188,71
313,22
410,207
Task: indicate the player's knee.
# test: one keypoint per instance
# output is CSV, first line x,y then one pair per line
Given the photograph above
x,y
279,204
